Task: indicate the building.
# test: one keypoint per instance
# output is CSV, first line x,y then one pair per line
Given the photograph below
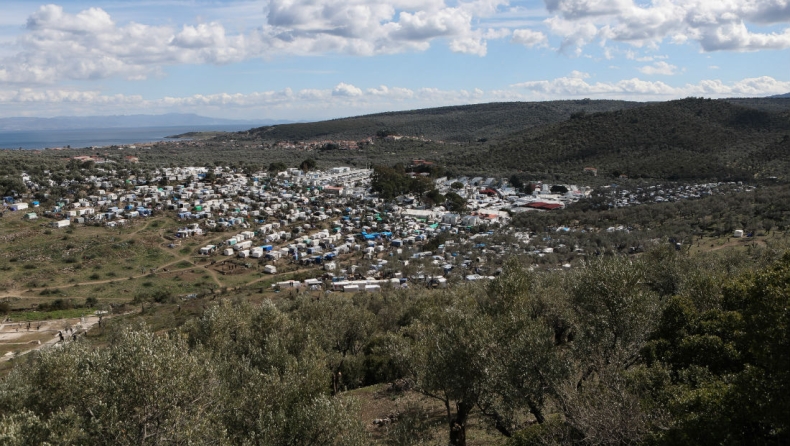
x,y
333,190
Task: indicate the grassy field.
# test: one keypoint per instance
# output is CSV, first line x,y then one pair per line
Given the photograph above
x,y
29,316
116,266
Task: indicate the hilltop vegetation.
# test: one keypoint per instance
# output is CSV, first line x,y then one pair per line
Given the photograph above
x,y
466,123
691,139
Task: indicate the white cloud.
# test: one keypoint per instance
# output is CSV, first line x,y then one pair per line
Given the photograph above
x,y
392,92
366,28
714,25
346,99
529,38
89,44
574,35
637,89
469,45
346,90
660,67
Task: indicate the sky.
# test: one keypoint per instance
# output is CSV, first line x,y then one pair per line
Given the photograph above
x,y
320,59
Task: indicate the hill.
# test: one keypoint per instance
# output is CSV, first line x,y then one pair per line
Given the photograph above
x,y
684,139
773,103
465,123
690,140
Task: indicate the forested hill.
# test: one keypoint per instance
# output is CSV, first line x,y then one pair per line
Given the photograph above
x,y
460,123
684,139
772,103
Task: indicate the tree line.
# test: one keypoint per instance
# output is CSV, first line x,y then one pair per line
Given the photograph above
x,y
659,349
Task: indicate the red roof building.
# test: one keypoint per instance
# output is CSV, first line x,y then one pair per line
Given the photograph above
x,y
545,206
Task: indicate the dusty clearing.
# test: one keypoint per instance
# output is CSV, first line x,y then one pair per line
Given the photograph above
x,y
17,338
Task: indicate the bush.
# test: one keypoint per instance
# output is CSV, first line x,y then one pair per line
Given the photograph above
x,y
158,296
57,304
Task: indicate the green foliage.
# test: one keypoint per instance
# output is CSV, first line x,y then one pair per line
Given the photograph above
x,y
158,296
273,378
11,185
459,123
277,167
454,202
342,329
234,376
307,165
390,182
659,348
690,139
727,360
142,389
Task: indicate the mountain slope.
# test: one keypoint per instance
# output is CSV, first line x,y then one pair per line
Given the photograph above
x,y
466,123
690,138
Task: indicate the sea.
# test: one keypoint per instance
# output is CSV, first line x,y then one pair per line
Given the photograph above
x,y
80,138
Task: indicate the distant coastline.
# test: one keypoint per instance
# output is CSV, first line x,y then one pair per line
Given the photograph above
x,y
81,138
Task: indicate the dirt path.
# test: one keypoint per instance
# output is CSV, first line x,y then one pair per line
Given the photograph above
x,y
213,275
143,227
274,276
42,334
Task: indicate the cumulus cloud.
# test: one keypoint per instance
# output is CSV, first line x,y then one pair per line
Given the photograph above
x,y
576,85
343,89
715,26
529,38
89,44
660,67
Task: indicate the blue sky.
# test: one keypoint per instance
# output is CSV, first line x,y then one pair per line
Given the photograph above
x,y
316,59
